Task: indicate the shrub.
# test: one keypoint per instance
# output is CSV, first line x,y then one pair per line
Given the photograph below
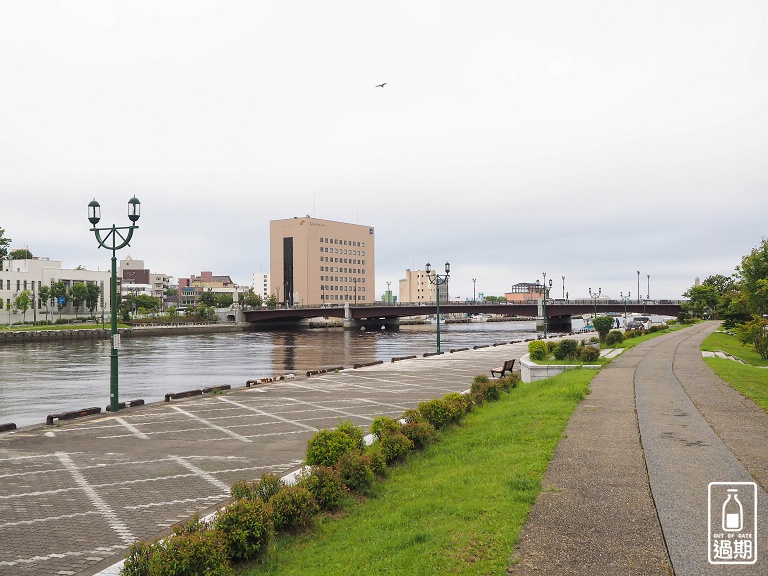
x,y
325,485
245,526
355,470
191,526
326,447
614,337
269,485
420,433
383,425
137,561
354,432
377,459
567,350
292,508
413,415
189,554
458,405
509,381
551,345
589,354
436,412
488,391
480,378
395,446
633,334
537,350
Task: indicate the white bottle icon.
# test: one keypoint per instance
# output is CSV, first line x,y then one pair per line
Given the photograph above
x,y
733,513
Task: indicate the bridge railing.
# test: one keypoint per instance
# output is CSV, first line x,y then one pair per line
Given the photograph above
x,y
469,305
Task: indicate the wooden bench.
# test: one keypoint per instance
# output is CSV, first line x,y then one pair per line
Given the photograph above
x,y
508,365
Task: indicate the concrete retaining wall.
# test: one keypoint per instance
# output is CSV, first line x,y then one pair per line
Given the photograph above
x,y
530,371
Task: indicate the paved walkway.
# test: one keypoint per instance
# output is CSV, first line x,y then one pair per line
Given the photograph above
x,y
74,496
627,490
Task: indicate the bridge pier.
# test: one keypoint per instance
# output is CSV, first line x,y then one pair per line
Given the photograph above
x,y
554,323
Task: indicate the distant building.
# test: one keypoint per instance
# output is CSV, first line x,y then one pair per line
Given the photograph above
x,y
416,287
133,271
314,261
33,273
525,291
191,288
261,285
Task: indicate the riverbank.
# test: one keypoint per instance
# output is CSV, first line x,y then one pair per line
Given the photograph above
x,y
75,333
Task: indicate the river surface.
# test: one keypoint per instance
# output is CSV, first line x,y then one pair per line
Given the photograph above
x,y
41,378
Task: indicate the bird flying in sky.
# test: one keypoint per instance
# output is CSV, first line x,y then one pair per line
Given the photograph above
x,y
380,85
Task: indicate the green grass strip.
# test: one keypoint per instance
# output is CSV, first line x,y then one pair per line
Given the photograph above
x,y
749,379
455,508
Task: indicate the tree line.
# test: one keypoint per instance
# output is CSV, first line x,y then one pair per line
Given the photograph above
x,y
739,300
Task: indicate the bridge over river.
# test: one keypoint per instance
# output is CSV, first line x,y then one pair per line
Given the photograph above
x,y
558,312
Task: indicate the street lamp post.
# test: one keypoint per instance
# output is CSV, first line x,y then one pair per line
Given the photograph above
x,y
438,280
389,293
648,293
563,287
638,287
474,297
595,297
544,292
114,240
624,299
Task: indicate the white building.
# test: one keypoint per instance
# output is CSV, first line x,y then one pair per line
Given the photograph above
x,y
260,285
31,274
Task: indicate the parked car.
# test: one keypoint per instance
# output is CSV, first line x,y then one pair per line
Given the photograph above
x,y
635,325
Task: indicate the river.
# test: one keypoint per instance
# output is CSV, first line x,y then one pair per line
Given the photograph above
x,y
41,378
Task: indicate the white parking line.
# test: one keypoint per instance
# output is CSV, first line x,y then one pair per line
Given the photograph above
x,y
98,502
202,474
212,425
320,406
275,416
136,432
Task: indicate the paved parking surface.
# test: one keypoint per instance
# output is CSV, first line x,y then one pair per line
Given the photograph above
x,y
74,496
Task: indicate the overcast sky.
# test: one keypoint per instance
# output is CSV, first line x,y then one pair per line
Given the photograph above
x,y
588,139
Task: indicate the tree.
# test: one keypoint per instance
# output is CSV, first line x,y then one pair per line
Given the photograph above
x,y
223,300
701,299
272,301
78,294
4,243
45,296
59,294
252,299
21,254
94,295
208,298
23,302
603,325
146,303
752,274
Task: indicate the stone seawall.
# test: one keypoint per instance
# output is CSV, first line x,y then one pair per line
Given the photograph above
x,y
21,336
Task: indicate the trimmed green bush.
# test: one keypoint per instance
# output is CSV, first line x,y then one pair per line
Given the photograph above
x,y
458,405
537,350
245,525
325,485
355,470
589,354
355,432
567,350
509,381
437,412
293,508
197,553
395,445
137,561
421,434
603,325
480,378
377,459
327,446
383,425
614,337
413,415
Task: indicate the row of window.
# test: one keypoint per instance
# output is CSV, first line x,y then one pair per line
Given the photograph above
x,y
342,251
342,260
342,270
333,288
338,297
342,279
341,242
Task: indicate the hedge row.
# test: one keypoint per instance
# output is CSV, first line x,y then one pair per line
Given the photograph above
x,y
337,462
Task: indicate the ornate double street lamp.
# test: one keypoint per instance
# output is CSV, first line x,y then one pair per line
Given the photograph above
x,y
595,297
438,280
624,299
114,239
544,295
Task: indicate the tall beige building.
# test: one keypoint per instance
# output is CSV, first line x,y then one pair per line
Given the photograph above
x,y
314,261
416,287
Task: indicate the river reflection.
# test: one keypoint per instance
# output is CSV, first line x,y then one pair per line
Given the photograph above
x,y
37,379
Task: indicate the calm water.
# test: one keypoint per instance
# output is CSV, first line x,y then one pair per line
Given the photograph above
x,y
37,379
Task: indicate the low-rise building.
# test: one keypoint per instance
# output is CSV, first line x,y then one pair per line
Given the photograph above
x,y
34,273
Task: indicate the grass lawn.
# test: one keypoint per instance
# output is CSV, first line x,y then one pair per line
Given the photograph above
x,y
748,379
456,507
